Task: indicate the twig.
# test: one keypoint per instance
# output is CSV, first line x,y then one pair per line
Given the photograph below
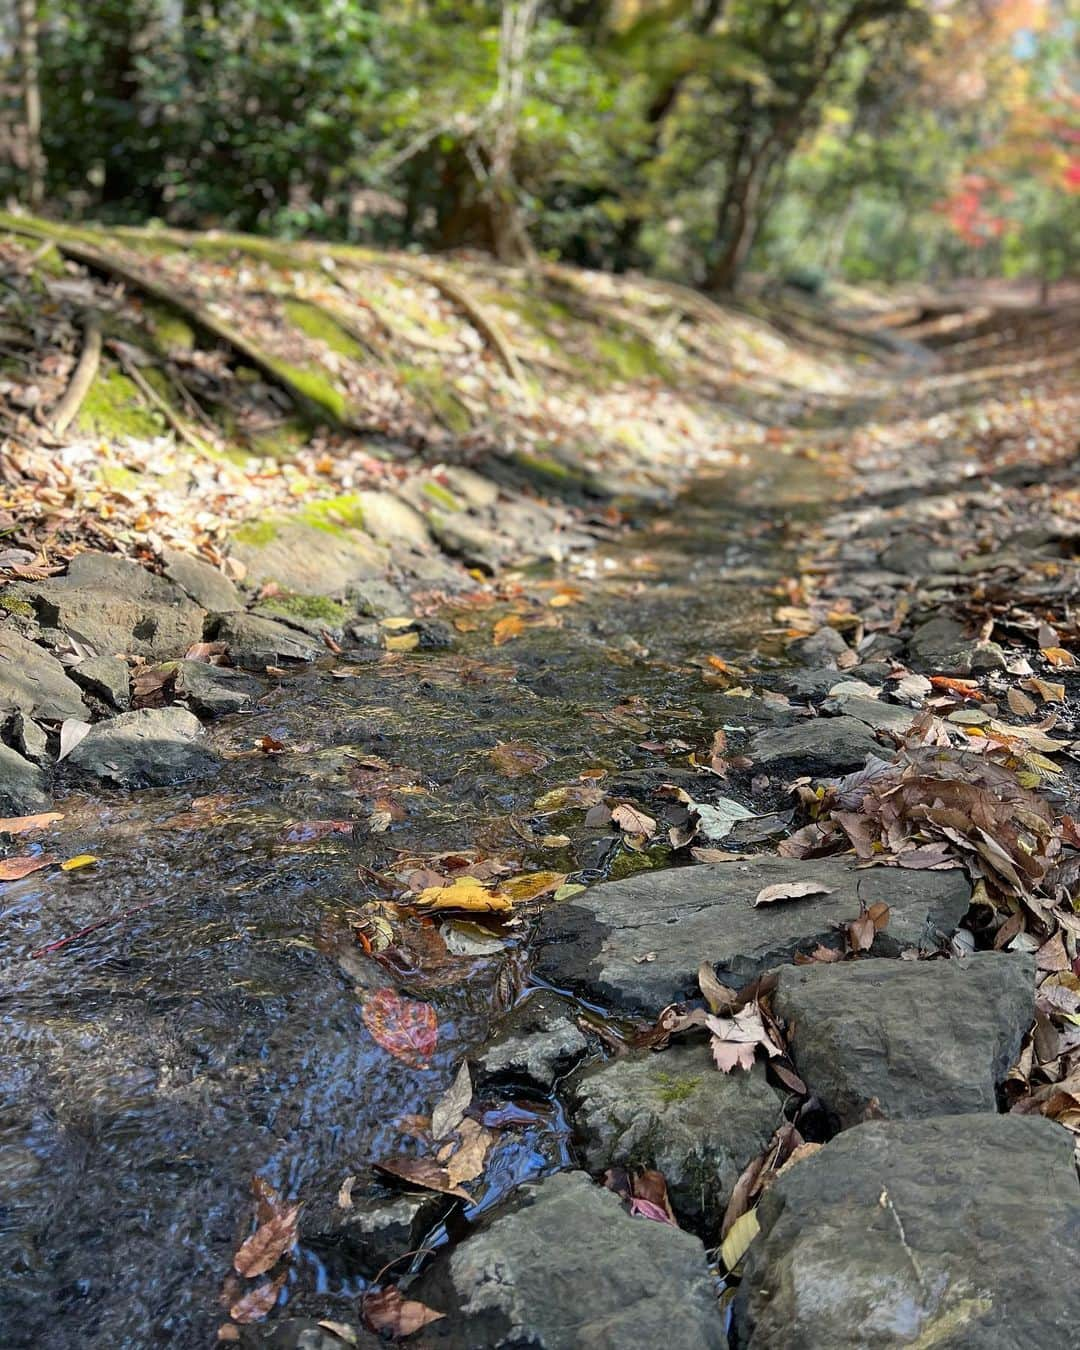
x,y
82,378
885,1201
152,396
93,928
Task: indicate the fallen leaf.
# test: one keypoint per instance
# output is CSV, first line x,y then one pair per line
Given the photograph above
x,y
405,1028
718,996
387,1311
1020,704
1059,658
532,884
268,1244
72,732
341,1330
633,820
467,1162
423,1172
962,688
717,819
402,642
739,1237
254,1306
22,824
451,1106
345,1190
1048,691
507,629
789,890
13,869
467,894
514,759
80,860
717,855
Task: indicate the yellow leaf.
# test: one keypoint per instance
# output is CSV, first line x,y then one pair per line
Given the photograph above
x,y
465,894
532,884
506,629
397,622
80,860
740,1235
1059,657
403,642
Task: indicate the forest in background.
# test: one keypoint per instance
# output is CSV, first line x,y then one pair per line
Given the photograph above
x,y
695,139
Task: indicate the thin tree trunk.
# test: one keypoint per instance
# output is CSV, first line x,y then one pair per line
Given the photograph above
x,y
511,240
31,94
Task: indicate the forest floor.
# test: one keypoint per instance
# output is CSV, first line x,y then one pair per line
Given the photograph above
x,y
466,735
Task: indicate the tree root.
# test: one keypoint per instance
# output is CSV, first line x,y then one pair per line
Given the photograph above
x,y
83,376
139,380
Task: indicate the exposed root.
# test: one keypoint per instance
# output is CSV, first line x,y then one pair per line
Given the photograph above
x,y
82,378
163,406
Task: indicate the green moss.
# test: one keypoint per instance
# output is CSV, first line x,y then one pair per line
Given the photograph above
x,y
114,408
308,607
333,514
547,469
314,389
23,609
118,479
316,322
170,331
256,533
630,357
441,496
676,1088
279,442
430,388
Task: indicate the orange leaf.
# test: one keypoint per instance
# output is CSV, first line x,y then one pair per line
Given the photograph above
x,y
1059,657
506,629
388,1311
253,1307
12,869
404,1027
962,688
269,1242
633,820
20,824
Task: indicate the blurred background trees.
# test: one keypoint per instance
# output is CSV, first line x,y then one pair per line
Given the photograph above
x,y
696,138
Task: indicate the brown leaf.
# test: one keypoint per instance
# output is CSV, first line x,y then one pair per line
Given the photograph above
x,y
407,1029
13,869
21,824
718,996
452,1105
717,855
422,1172
1020,704
387,1311
861,933
254,1306
633,820
515,759
467,1162
270,1241
507,629
789,890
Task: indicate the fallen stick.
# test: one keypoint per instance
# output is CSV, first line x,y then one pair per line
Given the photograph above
x,y
83,376
60,943
139,380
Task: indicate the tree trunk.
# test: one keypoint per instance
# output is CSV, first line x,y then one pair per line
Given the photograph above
x,y
511,240
737,222
31,96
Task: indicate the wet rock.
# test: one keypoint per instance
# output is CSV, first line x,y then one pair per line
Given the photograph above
x,y
954,1231
29,739
536,1044
872,712
879,647
33,680
819,649
204,584
373,1231
435,636
915,557
304,1333
115,606
592,943
107,677
211,691
365,633
255,643
942,647
566,1267
307,558
803,684
153,747
378,598
873,672
394,522
22,785
676,1112
819,746
920,1038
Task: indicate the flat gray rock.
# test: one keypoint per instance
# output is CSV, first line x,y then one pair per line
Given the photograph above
x,y
255,643
34,681
29,739
959,1231
591,944
536,1044
307,558
819,745
677,1112
153,747
206,585
919,1038
115,606
379,599
941,647
22,785
568,1268
873,712
212,691
106,676
819,649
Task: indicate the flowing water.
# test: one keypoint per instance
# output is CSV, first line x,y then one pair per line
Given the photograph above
x,y
187,1012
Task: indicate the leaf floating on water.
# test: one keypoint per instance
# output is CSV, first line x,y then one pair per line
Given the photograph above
x,y
423,1172
254,1306
533,884
452,1105
515,759
404,1027
14,869
740,1235
22,824
387,1311
466,894
268,1244
467,1163
80,860
789,890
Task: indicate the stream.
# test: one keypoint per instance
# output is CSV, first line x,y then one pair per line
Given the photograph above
x,y
186,1012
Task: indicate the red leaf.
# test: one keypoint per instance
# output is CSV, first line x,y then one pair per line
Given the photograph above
x,y
405,1028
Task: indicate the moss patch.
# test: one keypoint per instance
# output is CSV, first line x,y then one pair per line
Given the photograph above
x,y
114,408
23,609
317,323
256,533
675,1088
319,607
429,388
333,514
171,332
313,389
441,496
278,442
630,357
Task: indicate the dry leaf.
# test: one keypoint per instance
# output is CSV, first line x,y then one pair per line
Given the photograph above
x,y
21,824
465,893
452,1105
789,890
1020,704
254,1306
387,1311
633,820
532,884
266,1246
72,732
345,1190
718,996
506,629
13,869
739,1237
1059,658
80,860
404,1027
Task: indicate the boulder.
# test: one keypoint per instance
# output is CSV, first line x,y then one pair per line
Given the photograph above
x,y
153,747
677,1112
107,677
22,785
566,1267
373,1231
819,649
593,943
115,606
30,739
875,714
255,643
949,1232
206,585
211,691
919,1038
536,1044
308,558
818,746
34,681
378,598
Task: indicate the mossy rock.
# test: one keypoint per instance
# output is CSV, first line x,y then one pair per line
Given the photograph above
x,y
630,357
316,322
308,553
114,408
331,613
430,389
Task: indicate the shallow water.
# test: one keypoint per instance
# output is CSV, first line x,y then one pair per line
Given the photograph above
x,y
210,1027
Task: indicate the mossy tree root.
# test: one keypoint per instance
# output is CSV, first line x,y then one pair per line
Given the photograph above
x,y
83,376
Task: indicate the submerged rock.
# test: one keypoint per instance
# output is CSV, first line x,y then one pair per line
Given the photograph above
x,y
536,1044
677,1112
592,944
211,691
33,680
919,1038
22,784
153,747
566,1267
954,1231
365,1237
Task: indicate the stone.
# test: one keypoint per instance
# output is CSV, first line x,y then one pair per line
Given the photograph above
x,y
34,681
921,1038
476,491
29,739
537,1043
116,607
819,649
950,1232
22,785
379,599
311,614
374,1231
206,585
942,647
800,683
566,1267
211,691
392,521
677,1112
874,713
305,1333
255,643
591,943
153,747
818,746
917,557
106,676
306,558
